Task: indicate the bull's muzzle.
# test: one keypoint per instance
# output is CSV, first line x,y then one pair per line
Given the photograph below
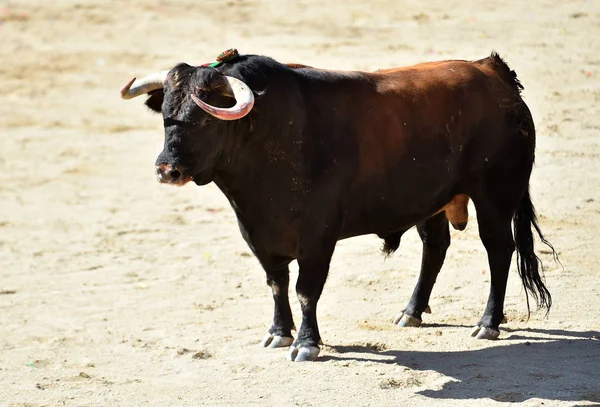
x,y
171,174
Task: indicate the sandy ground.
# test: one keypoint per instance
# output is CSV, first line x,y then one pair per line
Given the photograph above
x,y
117,291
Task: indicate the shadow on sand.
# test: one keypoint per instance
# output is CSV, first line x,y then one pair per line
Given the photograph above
x,y
565,366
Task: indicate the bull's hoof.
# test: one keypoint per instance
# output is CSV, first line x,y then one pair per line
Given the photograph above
x,y
276,341
303,353
482,332
405,320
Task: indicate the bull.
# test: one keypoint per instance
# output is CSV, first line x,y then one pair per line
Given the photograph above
x,y
307,157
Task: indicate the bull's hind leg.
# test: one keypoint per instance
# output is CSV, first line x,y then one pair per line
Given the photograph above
x,y
494,218
280,333
435,234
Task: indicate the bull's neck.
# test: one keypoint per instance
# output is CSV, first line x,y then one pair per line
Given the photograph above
x,y
253,161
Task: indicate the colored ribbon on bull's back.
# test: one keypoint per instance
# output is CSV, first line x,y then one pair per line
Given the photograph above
x,y
225,56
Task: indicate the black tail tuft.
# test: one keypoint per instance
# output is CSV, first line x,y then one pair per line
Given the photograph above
x,y
529,265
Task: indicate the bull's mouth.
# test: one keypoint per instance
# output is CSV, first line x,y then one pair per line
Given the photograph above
x,y
177,182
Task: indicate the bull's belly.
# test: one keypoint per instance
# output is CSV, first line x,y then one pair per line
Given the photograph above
x,y
384,218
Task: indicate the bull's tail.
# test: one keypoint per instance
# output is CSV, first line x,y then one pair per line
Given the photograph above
x,y
503,70
529,265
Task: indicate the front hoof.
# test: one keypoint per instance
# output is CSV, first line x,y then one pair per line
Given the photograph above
x,y
303,353
405,320
276,341
482,332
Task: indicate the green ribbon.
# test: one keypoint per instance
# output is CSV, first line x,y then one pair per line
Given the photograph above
x,y
225,56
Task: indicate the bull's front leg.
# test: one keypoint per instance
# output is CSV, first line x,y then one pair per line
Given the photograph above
x,y
311,280
280,333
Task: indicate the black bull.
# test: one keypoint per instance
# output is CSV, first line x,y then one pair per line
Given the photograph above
x,y
327,155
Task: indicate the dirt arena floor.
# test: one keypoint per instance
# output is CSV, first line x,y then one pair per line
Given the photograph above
x,y
117,291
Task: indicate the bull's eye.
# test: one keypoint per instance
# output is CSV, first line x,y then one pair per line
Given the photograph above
x,y
201,93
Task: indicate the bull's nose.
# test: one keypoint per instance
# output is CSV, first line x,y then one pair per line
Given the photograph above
x,y
168,173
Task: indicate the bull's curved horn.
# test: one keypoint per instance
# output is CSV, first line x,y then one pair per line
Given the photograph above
x,y
244,101
144,85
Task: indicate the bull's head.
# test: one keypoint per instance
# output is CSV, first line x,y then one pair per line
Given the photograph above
x,y
190,98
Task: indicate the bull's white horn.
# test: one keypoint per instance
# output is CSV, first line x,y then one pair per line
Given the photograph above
x,y
137,87
244,101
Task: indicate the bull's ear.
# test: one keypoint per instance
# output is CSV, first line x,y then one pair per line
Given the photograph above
x,y
155,100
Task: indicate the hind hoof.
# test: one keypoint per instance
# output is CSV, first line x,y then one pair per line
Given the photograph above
x,y
482,332
405,320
